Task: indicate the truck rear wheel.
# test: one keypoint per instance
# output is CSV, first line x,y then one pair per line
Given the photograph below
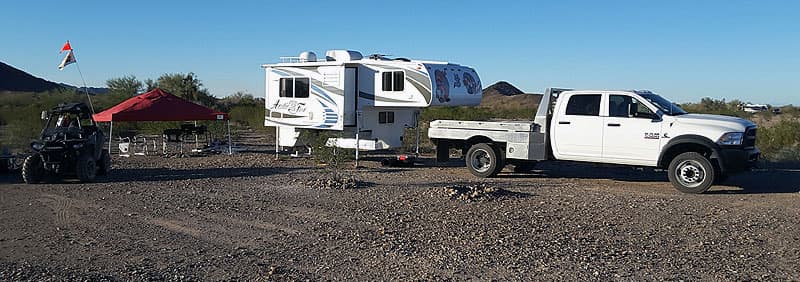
x,y
691,172
483,160
33,169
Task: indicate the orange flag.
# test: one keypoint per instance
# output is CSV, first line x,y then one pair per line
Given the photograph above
x,y
66,47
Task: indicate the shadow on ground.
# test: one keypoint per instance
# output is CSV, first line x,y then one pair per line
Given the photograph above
x,y
161,174
763,182
776,179
164,174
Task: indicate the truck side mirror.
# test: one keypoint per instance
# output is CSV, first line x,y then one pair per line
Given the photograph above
x,y
44,115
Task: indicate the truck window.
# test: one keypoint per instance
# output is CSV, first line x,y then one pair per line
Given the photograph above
x,y
618,105
584,105
626,106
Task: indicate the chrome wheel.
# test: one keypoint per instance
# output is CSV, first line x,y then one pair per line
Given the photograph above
x,y
690,173
481,160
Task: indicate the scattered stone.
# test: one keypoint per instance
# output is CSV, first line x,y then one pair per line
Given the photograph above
x,y
335,180
467,193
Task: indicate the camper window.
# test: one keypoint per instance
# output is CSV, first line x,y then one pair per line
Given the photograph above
x,y
387,81
301,88
385,117
399,80
294,87
393,81
287,87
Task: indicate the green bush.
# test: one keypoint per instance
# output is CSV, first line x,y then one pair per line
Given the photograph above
x,y
316,139
248,115
780,142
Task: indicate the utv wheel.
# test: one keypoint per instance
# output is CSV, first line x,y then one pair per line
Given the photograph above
x,y
691,173
483,160
86,168
104,164
33,169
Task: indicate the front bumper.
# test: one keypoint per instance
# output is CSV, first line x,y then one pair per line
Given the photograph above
x,y
738,159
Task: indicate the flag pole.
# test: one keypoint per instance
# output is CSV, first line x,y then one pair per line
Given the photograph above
x,y
85,89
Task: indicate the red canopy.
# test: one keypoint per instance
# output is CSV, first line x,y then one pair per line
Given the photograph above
x,y
158,105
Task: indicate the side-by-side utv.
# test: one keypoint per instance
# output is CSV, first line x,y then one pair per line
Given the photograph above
x,y
71,145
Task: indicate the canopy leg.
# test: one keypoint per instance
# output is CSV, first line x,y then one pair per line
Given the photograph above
x,y
110,137
230,149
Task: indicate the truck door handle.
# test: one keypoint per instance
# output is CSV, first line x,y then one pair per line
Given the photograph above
x,y
614,124
563,122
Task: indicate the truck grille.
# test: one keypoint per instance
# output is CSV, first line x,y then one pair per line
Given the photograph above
x,y
750,137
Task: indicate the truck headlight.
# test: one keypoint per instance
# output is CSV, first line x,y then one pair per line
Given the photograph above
x,y
37,146
731,138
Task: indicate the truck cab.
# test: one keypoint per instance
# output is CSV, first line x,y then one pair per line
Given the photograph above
x,y
630,127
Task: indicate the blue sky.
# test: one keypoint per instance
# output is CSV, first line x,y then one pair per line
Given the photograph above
x,y
684,50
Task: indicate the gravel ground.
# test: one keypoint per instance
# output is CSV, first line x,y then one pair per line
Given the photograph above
x,y
251,217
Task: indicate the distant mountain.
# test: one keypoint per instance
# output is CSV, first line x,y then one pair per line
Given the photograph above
x,y
502,88
92,90
503,95
15,80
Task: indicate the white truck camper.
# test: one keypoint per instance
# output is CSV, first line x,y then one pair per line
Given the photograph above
x,y
637,128
368,101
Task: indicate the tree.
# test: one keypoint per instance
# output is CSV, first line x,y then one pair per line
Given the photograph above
x,y
127,86
150,84
186,86
240,98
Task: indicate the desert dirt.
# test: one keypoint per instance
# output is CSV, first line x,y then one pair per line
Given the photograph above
x,y
252,217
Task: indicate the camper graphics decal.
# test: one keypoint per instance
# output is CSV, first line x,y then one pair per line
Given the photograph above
x,y
442,86
291,106
457,80
471,84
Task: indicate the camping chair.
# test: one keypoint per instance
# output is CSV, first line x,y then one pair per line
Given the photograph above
x,y
124,144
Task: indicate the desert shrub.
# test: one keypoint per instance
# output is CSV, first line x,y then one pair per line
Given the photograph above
x,y
780,142
317,140
249,115
717,107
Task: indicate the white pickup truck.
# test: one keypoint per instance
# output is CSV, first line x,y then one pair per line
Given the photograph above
x,y
636,128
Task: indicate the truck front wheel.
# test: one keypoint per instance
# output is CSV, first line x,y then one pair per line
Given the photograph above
x,y
483,160
691,172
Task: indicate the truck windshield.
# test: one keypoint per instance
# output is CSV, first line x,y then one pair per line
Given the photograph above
x,y
663,104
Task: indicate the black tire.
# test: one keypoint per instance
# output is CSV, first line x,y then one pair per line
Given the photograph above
x,y
483,160
691,172
524,166
104,164
33,169
86,168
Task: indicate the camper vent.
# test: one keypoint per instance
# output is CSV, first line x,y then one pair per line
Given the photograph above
x,y
342,55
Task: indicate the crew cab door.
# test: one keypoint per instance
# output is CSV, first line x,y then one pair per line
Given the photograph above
x,y
632,132
577,128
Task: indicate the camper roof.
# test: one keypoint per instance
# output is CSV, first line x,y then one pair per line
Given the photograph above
x,y
340,57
